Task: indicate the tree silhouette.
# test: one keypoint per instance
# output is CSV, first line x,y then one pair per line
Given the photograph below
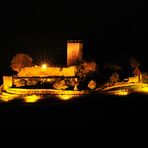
x,y
134,63
114,78
111,72
20,61
112,67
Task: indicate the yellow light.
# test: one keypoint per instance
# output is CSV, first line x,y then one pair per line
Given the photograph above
x,y
65,97
143,89
6,97
121,92
44,66
31,99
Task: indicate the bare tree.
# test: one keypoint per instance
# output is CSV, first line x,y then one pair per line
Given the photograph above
x,y
21,60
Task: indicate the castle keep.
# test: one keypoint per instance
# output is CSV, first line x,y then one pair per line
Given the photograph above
x,y
74,52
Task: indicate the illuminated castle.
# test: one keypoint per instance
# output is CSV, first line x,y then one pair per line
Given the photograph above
x,y
74,52
32,75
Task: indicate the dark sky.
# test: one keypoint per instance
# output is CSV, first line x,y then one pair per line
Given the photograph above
x,y
110,30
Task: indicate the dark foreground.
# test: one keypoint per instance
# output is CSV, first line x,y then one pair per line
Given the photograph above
x,y
90,120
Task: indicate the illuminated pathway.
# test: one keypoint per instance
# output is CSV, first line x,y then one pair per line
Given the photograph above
x,y
123,85
32,95
127,88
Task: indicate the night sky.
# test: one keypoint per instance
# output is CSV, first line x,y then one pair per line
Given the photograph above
x,y
111,31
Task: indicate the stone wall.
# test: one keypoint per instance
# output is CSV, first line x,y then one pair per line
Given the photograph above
x,y
19,82
7,82
134,79
40,82
49,71
1,88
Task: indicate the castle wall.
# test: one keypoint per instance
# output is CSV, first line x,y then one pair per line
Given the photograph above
x,y
56,83
7,82
49,71
134,79
20,81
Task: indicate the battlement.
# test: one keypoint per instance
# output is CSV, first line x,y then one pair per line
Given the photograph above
x,y
74,41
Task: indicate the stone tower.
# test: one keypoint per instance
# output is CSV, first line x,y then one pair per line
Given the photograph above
x,y
74,52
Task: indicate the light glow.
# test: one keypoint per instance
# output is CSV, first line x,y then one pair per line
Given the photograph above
x,y
32,98
6,99
122,92
143,89
44,66
65,97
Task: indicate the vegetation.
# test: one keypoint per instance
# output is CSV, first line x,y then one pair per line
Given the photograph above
x,y
20,61
134,63
86,69
114,78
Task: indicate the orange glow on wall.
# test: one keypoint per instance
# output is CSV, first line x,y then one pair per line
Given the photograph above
x,y
47,71
74,52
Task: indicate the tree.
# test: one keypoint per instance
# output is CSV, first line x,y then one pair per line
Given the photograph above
x,y
134,63
111,72
114,78
20,61
112,67
85,69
